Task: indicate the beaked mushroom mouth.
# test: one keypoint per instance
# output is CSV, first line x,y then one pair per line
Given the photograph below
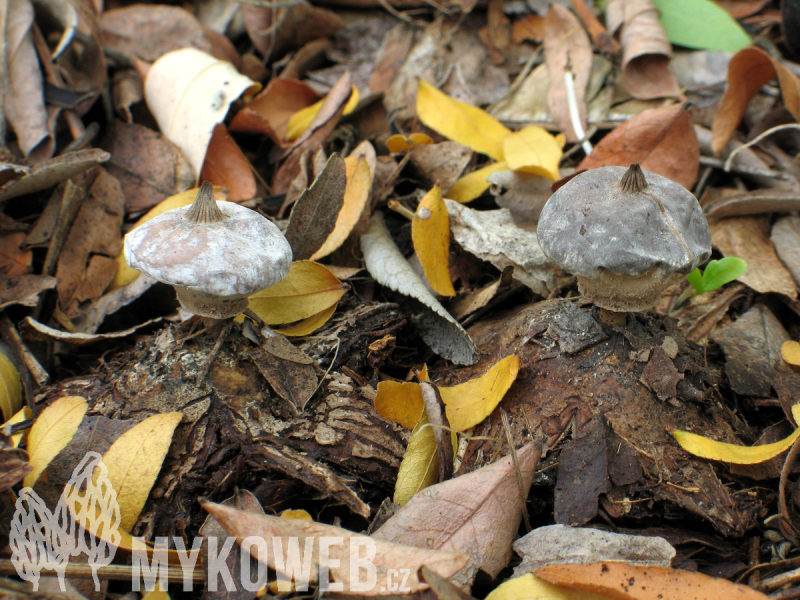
x,y
625,293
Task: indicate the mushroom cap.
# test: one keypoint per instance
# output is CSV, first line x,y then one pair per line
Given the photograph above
x,y
231,258
591,225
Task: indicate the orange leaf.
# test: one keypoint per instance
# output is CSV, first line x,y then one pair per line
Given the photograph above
x,y
661,140
748,71
225,165
622,581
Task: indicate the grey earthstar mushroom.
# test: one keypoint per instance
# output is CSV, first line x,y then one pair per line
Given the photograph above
x,y
215,255
626,234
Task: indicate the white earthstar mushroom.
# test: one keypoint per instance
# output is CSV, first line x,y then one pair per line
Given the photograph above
x,y
215,255
626,234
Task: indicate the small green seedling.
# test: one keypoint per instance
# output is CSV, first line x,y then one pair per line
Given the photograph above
x,y
717,274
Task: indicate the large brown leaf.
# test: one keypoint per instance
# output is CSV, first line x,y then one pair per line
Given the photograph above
x,y
478,514
388,556
661,140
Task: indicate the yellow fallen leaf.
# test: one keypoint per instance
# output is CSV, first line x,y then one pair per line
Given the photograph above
x,y
731,453
460,122
790,352
10,388
51,432
22,415
533,150
530,587
356,195
430,234
296,514
134,461
420,466
469,187
308,289
309,325
469,403
400,143
156,595
400,402
466,404
300,120
125,274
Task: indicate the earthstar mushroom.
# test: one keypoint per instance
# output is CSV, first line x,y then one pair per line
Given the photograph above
x,y
215,255
626,234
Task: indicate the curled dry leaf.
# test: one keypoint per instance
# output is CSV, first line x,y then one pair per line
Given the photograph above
x,y
483,514
435,325
308,289
52,431
430,233
568,53
55,170
189,92
242,524
645,49
622,581
24,102
530,586
661,140
748,71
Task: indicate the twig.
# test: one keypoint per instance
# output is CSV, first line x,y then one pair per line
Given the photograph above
x,y
517,470
757,139
112,572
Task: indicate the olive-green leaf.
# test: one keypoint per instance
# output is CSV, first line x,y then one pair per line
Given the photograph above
x,y
701,24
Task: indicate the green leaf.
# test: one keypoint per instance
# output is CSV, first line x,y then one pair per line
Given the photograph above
x,y
720,272
695,278
701,24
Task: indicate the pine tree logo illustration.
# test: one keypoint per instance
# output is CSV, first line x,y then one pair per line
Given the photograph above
x,y
42,539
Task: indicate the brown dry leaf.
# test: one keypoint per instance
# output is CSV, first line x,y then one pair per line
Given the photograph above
x,y
273,31
225,165
53,171
23,289
748,238
623,581
270,110
396,46
13,464
148,166
566,46
661,140
315,213
529,27
484,509
287,369
496,34
645,49
440,163
96,230
359,166
13,259
24,97
315,135
786,240
147,31
388,556
748,71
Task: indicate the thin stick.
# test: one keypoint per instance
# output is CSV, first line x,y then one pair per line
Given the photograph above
x,y
112,572
757,139
574,115
517,470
